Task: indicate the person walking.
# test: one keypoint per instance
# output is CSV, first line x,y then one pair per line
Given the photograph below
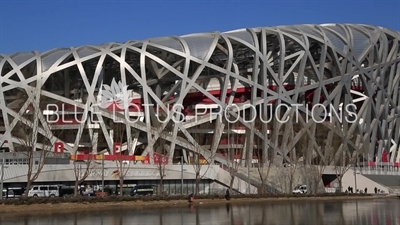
x,y
227,195
191,198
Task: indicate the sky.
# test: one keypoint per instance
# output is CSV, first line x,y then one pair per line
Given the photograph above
x,y
27,25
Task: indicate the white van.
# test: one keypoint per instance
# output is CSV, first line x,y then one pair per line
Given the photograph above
x,y
300,189
44,191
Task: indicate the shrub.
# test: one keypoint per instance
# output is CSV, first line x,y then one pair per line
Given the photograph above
x,y
88,200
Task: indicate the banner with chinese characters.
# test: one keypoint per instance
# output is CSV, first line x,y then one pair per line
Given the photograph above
x,y
160,159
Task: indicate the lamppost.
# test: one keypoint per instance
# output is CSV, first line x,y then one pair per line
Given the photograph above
x,y
2,173
355,175
181,175
102,175
355,166
232,161
248,175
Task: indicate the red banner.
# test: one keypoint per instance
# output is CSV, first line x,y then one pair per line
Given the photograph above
x,y
385,157
160,159
109,157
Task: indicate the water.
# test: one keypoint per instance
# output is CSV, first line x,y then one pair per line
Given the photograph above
x,y
363,212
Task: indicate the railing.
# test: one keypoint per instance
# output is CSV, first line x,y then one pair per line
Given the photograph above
x,y
242,173
394,190
379,170
268,187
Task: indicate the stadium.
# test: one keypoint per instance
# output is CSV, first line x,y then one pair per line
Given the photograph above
x,y
214,98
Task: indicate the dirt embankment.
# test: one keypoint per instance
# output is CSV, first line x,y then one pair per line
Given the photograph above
x,y
72,207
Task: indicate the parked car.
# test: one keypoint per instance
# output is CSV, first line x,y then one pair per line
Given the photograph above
x,y
300,189
65,190
142,190
44,191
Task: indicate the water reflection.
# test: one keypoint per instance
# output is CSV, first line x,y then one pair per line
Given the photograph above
x,y
366,212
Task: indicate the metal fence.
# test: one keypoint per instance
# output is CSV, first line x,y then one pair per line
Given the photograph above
x,y
378,170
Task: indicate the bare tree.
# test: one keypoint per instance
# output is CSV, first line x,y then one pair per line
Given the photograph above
x,y
82,173
199,161
293,131
232,152
82,168
315,170
288,174
343,156
34,143
122,164
340,165
36,163
292,171
160,159
314,157
262,169
314,163
284,140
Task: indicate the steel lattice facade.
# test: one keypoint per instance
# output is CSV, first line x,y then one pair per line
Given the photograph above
x,y
256,70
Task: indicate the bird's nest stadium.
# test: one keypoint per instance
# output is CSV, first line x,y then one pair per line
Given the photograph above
x,y
316,94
